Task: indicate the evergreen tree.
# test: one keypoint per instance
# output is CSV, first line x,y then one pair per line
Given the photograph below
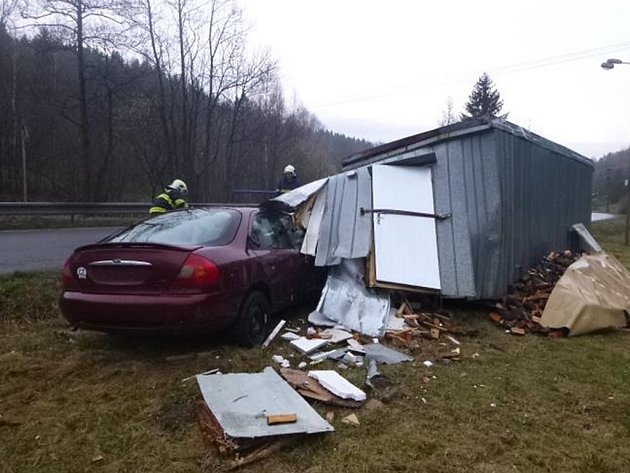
x,y
484,101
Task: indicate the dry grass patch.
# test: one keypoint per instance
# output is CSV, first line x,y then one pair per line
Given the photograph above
x,y
75,402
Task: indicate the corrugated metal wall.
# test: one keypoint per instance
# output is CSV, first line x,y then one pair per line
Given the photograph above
x,y
466,181
519,200
543,193
512,201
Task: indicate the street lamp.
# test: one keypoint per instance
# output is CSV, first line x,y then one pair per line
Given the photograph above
x,y
608,65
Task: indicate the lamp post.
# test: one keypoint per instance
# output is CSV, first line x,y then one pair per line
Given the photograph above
x,y
608,65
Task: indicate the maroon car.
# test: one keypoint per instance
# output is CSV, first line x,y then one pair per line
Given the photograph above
x,y
205,269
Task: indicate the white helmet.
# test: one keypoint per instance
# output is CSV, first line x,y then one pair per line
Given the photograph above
x,y
179,185
289,169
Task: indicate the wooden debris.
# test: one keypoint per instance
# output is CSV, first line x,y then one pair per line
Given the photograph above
x,y
496,317
281,419
260,453
422,324
311,388
521,309
352,419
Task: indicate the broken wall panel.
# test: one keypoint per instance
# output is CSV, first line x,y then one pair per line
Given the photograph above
x,y
311,238
241,402
344,232
301,194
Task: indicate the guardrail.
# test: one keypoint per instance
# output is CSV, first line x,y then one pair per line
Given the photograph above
x,y
89,208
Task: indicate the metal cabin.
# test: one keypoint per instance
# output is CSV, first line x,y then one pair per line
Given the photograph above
x,y
511,197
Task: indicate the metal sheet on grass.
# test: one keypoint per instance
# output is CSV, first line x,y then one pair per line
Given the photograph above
x,y
241,402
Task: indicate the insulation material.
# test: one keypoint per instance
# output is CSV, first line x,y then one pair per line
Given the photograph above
x,y
240,403
338,385
310,388
347,301
335,335
309,245
306,345
591,295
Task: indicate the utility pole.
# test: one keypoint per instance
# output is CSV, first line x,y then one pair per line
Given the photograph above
x,y
24,136
609,65
608,190
627,184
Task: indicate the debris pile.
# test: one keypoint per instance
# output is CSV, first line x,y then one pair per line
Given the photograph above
x,y
521,309
406,325
251,415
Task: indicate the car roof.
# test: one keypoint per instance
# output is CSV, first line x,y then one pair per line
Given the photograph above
x,y
245,209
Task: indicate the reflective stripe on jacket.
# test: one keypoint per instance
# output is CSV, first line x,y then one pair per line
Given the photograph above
x,y
164,203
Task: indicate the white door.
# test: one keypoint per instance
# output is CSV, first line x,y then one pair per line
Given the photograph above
x,y
405,245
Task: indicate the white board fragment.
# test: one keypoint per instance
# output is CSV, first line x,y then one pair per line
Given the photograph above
x,y
306,345
338,385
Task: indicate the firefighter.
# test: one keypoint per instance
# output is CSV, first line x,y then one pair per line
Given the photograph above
x,y
173,198
289,180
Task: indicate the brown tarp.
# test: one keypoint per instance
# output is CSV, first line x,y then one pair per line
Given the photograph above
x,y
592,295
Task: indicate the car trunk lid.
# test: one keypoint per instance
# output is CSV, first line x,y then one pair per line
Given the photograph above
x,y
127,268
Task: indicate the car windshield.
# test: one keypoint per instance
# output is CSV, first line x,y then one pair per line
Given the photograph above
x,y
209,227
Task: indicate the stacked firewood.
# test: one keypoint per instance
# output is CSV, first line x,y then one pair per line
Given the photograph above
x,y
521,309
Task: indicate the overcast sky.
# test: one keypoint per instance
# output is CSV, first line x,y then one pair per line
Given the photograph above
x,y
382,70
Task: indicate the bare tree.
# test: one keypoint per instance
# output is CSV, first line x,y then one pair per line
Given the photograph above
x,y
448,115
86,23
8,8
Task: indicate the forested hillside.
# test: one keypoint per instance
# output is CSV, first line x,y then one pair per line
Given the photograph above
x,y
611,171
110,101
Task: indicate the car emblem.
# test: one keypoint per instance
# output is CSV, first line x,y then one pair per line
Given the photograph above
x,y
82,272
116,261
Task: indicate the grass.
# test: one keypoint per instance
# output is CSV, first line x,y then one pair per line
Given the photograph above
x,y
29,297
75,401
611,236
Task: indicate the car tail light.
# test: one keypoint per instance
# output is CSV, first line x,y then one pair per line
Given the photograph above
x,y
67,278
197,274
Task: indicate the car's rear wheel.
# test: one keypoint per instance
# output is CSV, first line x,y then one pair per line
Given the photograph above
x,y
253,320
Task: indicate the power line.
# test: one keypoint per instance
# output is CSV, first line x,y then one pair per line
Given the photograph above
x,y
509,69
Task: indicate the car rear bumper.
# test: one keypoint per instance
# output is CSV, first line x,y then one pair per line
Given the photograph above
x,y
111,312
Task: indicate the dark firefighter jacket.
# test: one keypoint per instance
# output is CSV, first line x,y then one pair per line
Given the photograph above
x,y
167,201
286,185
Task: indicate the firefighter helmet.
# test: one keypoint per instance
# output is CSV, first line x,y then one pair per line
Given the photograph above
x,y
179,185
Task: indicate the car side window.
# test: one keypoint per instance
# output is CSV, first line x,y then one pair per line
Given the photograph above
x,y
296,234
269,232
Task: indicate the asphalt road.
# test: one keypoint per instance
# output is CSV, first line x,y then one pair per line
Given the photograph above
x,y
38,250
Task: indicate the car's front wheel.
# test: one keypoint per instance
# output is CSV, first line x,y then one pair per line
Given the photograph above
x,y
253,320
